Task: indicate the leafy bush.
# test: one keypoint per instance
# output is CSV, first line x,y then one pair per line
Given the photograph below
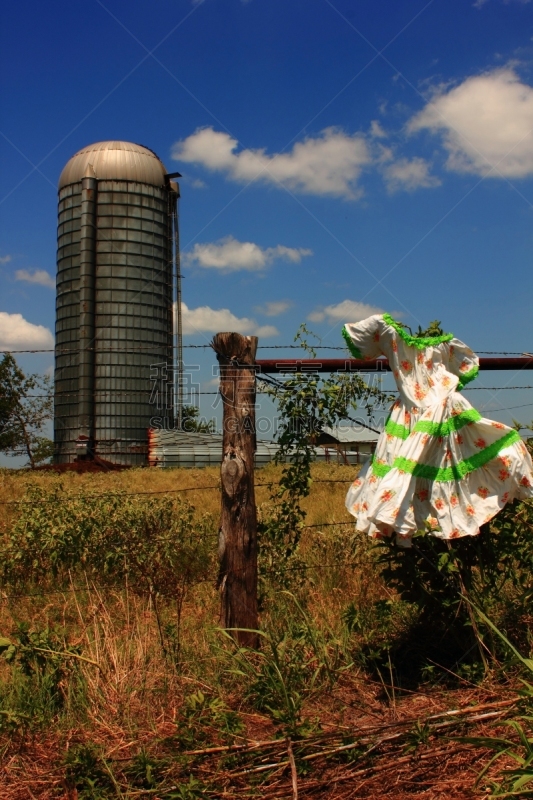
x,y
278,680
146,771
378,626
45,676
296,661
494,570
500,558
156,547
155,544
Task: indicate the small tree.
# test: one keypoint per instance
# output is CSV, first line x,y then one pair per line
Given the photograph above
x,y
8,402
26,404
191,423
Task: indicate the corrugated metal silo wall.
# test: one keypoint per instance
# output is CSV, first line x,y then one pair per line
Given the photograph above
x,y
133,318
67,323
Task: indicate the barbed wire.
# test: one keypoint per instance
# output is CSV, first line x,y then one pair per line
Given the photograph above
x,y
122,392
491,388
509,408
279,570
130,349
279,385
85,588
114,349
91,496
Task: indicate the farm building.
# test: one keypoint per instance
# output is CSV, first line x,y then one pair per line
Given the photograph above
x,y
182,449
346,443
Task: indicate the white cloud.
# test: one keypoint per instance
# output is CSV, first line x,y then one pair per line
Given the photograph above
x,y
481,3
230,255
16,333
409,175
274,308
346,311
376,130
215,320
5,259
39,276
486,124
214,382
328,164
383,154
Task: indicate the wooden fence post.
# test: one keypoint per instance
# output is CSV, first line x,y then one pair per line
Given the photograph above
x,y
238,523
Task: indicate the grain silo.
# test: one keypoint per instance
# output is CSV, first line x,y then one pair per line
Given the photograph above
x,y
117,271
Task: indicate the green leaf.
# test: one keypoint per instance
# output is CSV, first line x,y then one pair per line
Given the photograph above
x,y
528,662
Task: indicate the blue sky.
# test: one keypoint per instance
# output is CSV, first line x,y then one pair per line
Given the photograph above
x,y
338,158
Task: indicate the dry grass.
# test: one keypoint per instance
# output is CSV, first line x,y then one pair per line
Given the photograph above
x,y
325,504
361,742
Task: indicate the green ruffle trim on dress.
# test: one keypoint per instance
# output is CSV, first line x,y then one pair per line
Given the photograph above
x,y
445,474
434,428
467,377
445,428
356,353
415,341
380,469
395,429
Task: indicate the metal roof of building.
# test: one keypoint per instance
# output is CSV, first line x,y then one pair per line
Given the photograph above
x,y
114,160
351,433
181,449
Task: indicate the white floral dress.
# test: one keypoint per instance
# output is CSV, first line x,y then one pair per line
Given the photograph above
x,y
438,465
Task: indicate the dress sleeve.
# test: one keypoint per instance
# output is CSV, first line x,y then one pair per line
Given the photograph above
x,y
463,362
363,338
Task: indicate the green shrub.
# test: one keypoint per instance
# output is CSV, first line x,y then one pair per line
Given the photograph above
x,y
500,559
45,676
155,543
87,772
154,546
203,717
494,570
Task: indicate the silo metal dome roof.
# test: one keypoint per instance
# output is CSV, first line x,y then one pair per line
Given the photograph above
x,y
124,161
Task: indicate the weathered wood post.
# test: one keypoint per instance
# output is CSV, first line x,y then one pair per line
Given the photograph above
x,y
238,523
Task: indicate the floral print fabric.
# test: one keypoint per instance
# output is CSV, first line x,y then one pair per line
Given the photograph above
x,y
438,466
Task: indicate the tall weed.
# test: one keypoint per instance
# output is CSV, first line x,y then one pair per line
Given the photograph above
x,y
517,779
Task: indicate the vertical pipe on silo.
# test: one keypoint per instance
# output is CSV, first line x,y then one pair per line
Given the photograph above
x,y
179,327
85,444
